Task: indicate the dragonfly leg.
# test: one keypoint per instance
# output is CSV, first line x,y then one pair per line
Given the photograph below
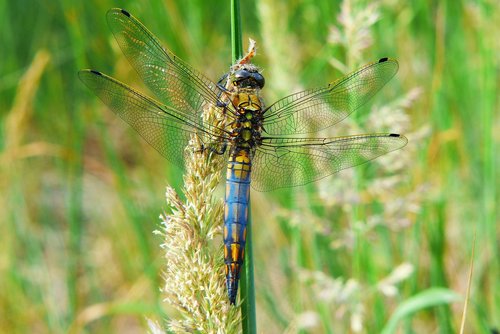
x,y
223,81
220,151
213,148
221,84
222,104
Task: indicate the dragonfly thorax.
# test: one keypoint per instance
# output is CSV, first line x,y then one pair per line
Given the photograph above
x,y
247,127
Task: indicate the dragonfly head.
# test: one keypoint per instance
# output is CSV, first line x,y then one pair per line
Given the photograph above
x,y
247,76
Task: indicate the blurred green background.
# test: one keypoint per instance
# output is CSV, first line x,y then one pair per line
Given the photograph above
x,y
81,192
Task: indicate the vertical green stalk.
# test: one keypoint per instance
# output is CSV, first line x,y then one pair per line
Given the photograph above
x,y
236,45
75,173
247,288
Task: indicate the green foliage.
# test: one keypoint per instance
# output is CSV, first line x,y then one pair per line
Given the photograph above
x,y
363,250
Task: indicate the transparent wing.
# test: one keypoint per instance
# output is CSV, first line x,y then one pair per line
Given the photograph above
x,y
162,126
288,162
174,82
317,109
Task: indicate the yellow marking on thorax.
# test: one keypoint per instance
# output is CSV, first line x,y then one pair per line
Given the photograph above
x,y
250,102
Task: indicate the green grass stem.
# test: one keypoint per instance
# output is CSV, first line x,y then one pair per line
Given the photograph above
x,y
236,44
247,288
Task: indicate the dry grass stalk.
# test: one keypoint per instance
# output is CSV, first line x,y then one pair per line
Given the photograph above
x,y
193,277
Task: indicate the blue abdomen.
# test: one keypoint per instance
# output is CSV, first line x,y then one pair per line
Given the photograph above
x,y
236,217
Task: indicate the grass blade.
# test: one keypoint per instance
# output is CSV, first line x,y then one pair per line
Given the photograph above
x,y
428,298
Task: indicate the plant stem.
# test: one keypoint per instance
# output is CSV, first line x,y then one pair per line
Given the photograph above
x,y
247,288
236,45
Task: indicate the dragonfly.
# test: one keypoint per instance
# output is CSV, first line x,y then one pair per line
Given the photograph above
x,y
266,147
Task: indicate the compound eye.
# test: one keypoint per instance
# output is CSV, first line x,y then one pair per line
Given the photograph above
x,y
259,79
240,75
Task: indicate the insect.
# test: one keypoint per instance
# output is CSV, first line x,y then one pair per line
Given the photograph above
x,y
267,143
